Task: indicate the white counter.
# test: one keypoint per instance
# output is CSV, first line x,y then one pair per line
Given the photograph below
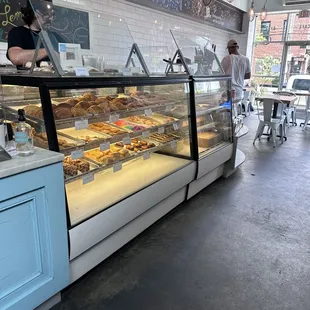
x,y
39,159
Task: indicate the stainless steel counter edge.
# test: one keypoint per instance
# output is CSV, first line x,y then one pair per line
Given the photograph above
x,y
39,159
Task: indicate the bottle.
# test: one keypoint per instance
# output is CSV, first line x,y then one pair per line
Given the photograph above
x,y
23,136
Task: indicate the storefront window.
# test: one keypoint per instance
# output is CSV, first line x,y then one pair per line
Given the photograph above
x,y
267,63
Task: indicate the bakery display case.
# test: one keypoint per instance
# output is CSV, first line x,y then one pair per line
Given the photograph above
x,y
117,139
214,123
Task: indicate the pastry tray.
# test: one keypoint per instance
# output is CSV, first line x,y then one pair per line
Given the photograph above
x,y
79,134
92,167
130,155
125,131
163,119
144,125
75,142
173,138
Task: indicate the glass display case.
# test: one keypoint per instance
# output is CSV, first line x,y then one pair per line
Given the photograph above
x,y
117,137
213,111
211,91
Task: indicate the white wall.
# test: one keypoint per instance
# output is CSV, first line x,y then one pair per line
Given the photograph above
x,y
148,27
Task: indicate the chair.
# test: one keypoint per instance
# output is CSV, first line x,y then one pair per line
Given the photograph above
x,y
306,120
274,124
291,109
246,103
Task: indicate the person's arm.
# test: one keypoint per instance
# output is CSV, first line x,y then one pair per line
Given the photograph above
x,y
248,74
19,56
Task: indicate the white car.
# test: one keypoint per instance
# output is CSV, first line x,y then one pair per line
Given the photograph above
x,y
299,82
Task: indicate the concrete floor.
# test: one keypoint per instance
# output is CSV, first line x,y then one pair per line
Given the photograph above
x,y
242,243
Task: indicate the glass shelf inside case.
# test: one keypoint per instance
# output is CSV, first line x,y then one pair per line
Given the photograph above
x,y
213,111
116,141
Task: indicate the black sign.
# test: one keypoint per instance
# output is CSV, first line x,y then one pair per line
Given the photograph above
x,y
72,25
220,14
10,16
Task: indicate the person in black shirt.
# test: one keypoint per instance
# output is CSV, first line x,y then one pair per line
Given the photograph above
x,y
22,40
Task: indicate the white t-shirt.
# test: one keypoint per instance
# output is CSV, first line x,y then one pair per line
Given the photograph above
x,y
237,66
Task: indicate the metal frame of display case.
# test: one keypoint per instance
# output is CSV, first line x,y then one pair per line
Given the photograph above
x,y
95,238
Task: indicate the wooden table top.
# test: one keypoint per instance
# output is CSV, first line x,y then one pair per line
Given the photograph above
x,y
284,99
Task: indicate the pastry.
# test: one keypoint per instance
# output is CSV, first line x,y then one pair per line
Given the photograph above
x,y
89,97
102,100
78,112
106,129
80,165
38,114
31,109
163,138
70,170
94,109
72,101
63,105
142,120
82,105
62,113
113,107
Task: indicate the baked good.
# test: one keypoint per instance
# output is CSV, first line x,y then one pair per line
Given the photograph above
x,y
70,170
163,137
63,105
31,109
82,105
79,164
106,129
105,107
62,113
38,114
142,120
102,100
72,101
89,97
78,112
94,109
107,157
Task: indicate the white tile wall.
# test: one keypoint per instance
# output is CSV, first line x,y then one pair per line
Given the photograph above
x,y
147,27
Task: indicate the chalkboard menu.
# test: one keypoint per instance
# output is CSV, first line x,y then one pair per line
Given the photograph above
x,y
72,25
220,13
10,16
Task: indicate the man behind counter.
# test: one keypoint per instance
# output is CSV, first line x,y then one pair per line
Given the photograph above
x,y
23,40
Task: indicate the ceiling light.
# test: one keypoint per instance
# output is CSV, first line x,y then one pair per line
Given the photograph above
x,y
264,12
251,12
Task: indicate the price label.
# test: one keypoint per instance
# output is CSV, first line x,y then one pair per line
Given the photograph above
x,y
77,154
117,167
82,124
81,71
104,146
161,130
145,134
127,140
113,118
88,179
175,126
127,72
148,112
168,108
146,156
174,144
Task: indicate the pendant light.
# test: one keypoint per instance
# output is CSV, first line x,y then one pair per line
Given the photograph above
x,y
251,12
263,14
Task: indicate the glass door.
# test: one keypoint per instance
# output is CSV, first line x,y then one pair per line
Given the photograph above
x,y
295,71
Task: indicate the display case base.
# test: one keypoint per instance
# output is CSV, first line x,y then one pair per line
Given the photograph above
x,y
98,253
198,185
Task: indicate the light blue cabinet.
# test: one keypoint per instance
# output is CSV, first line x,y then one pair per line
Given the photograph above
x,y
34,263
